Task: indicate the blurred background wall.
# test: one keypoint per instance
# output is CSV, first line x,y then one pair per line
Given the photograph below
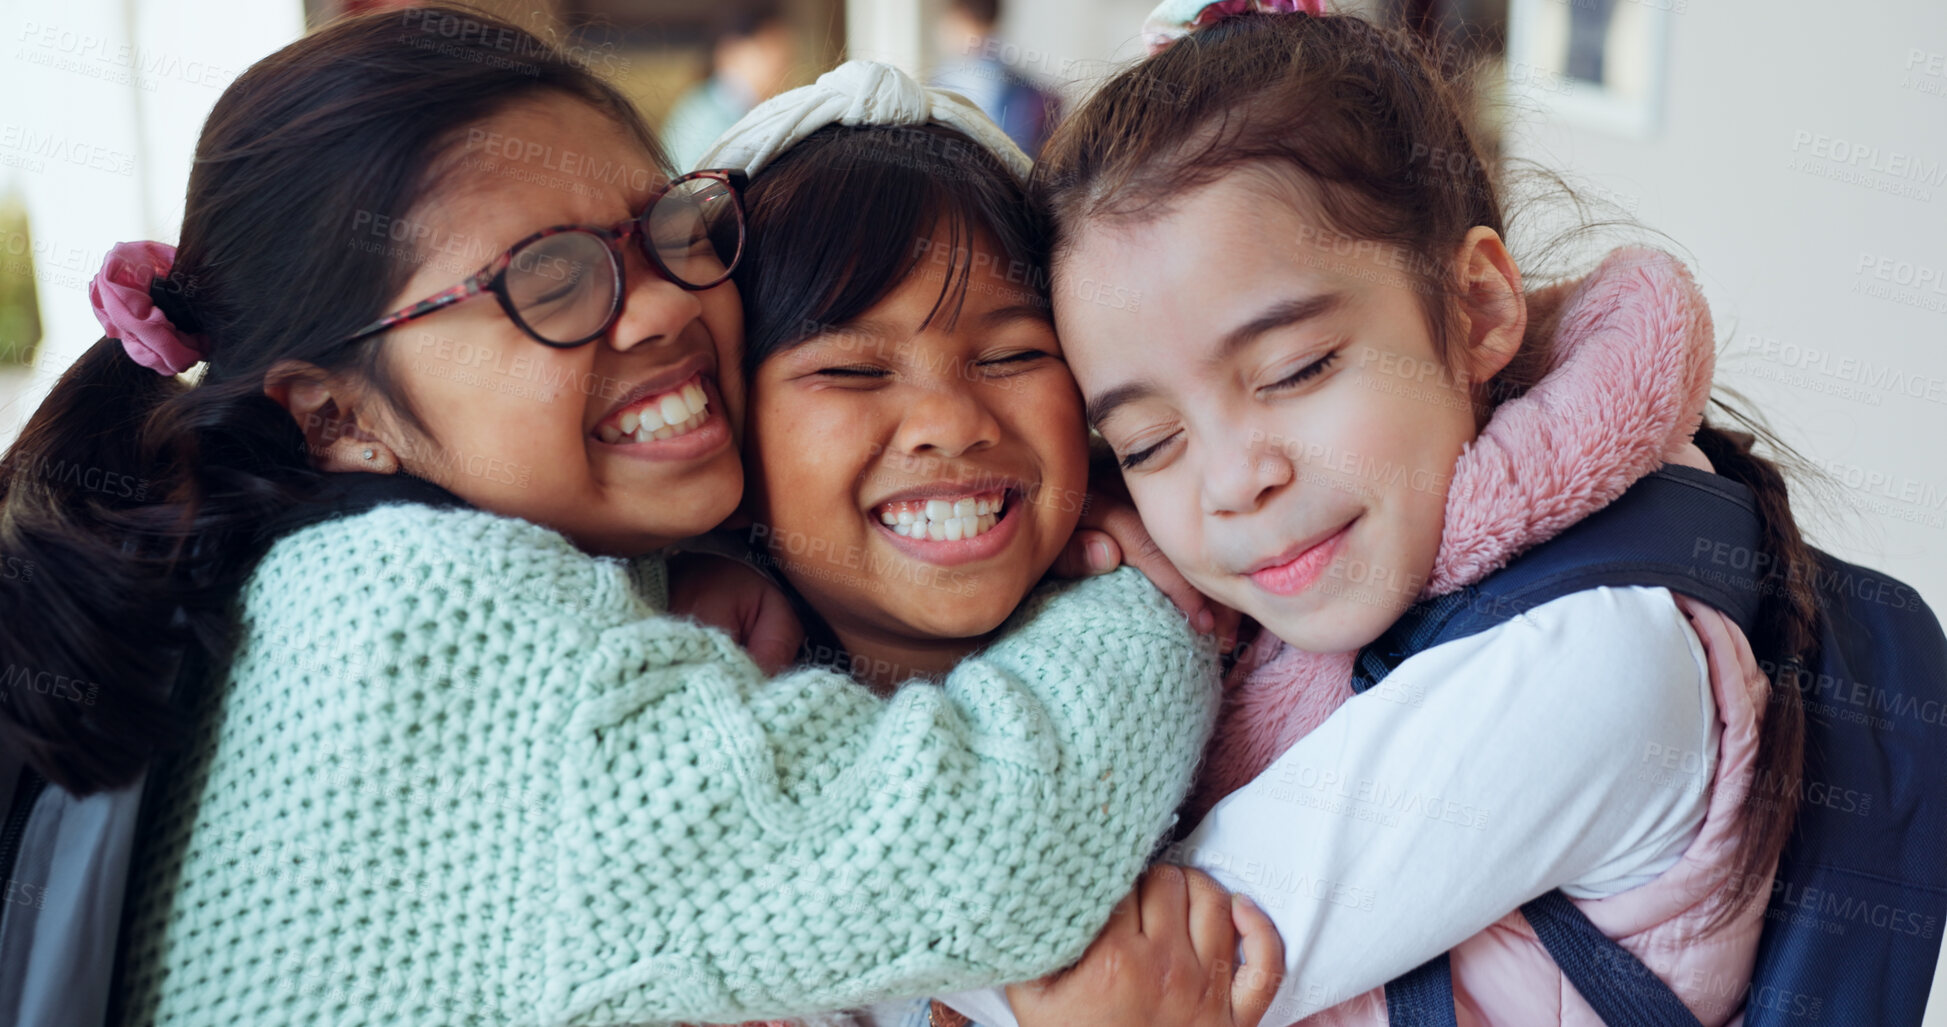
x,y
1795,153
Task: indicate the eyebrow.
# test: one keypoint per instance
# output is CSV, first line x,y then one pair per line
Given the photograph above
x,y
881,329
1282,314
1017,312
858,326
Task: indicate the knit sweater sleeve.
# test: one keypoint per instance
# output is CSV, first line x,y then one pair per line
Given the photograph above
x,y
643,829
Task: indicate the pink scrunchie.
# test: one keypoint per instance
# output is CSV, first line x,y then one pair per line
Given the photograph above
x,y
1171,20
120,294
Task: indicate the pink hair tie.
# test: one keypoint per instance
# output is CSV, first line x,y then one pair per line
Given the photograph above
x,y
123,305
1174,19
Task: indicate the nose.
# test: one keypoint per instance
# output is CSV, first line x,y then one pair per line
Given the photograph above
x,y
654,309
945,422
1241,480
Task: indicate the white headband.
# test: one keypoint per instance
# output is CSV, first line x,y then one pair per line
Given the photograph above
x,y
855,93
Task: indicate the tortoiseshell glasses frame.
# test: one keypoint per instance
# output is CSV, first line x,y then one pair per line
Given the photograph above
x,y
551,283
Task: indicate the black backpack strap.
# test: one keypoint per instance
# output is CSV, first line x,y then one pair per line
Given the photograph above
x,y
1692,532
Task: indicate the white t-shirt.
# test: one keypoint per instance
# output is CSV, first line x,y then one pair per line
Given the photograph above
x,y
1571,747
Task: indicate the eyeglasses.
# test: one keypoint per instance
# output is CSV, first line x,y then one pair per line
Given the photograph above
x,y
563,285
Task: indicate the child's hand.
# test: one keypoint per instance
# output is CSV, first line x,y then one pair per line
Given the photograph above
x,y
1111,533
1167,958
726,594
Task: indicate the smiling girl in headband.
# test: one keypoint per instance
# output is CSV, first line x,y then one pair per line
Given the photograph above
x,y
915,443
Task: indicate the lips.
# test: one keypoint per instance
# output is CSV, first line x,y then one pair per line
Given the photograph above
x,y
1300,567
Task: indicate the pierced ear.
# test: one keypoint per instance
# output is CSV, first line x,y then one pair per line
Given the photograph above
x,y
328,416
1494,310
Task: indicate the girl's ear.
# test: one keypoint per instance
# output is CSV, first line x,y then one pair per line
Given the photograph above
x,y
335,436
1493,309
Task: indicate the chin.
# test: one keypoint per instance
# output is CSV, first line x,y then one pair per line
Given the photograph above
x,y
965,623
711,503
1329,628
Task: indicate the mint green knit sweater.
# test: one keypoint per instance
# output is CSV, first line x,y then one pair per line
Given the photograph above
x,y
462,773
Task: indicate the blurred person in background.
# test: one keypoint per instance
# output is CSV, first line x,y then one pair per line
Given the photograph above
x,y
979,68
748,64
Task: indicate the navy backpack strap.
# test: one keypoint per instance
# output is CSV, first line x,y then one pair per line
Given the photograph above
x,y
1695,533
1692,532
1621,990
1420,627
1422,996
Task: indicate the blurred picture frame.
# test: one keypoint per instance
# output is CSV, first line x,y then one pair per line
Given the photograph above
x,y
1598,64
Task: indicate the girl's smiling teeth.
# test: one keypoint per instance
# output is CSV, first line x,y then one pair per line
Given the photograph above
x,y
663,416
944,520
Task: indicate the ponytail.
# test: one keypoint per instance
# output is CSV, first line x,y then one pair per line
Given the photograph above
x,y
1786,638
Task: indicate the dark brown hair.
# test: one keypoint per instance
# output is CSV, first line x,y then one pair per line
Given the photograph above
x,y
121,580
838,221
1368,127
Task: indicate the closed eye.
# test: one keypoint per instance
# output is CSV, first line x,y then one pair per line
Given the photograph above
x,y
558,293
854,372
1139,457
1305,373
1015,363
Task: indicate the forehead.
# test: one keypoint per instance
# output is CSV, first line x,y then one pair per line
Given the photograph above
x,y
549,160
970,275
1241,228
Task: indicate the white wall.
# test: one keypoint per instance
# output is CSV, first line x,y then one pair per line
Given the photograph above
x,y
1755,94
1767,108
104,101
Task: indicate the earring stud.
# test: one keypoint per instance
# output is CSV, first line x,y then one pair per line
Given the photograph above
x,y
368,454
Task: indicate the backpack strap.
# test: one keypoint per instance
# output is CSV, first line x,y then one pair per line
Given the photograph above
x,y
1690,531
1423,996
1621,990
1695,533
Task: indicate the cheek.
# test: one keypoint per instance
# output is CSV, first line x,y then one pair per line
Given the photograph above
x,y
810,453
1041,413
1172,514
1046,413
481,399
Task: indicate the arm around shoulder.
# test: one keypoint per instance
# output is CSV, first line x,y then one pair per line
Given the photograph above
x,y
800,844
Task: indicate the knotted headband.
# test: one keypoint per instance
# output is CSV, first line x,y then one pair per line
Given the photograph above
x,y
856,93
